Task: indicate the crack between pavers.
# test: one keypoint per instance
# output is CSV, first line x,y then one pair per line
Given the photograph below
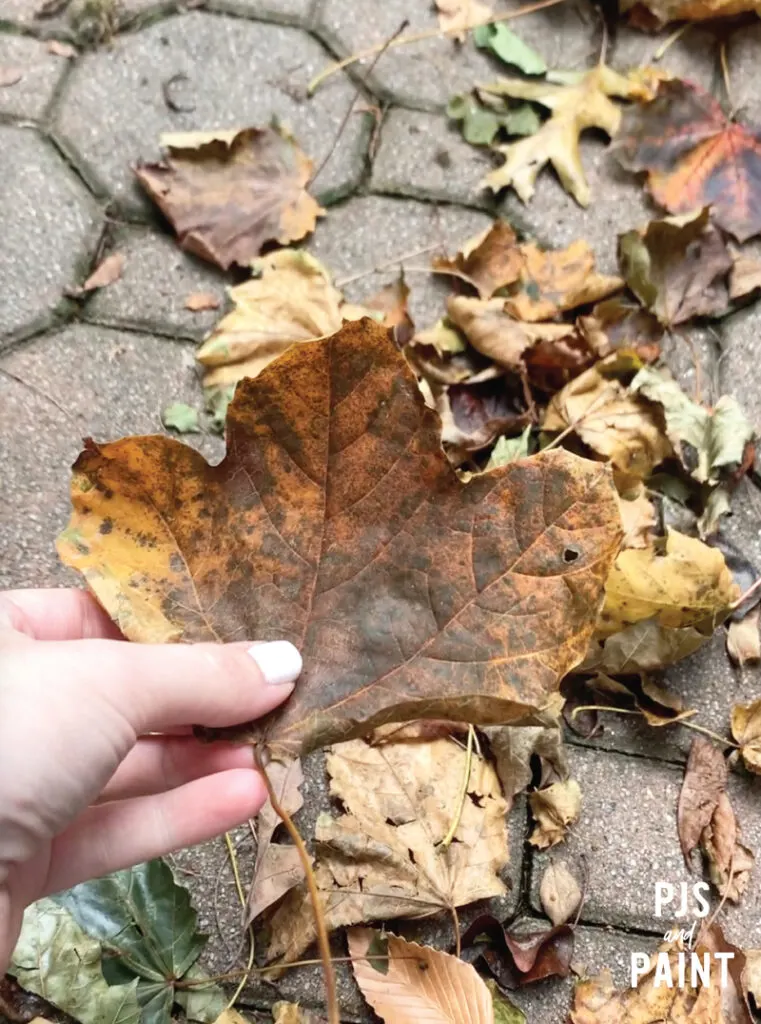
x,y
143,327
633,755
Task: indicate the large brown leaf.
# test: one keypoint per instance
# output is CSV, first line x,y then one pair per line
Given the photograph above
x,y
228,193
336,522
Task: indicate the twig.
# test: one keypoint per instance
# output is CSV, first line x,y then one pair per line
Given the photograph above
x,y
604,44
354,99
384,266
725,76
666,45
457,936
462,796
417,37
252,941
744,597
677,721
331,998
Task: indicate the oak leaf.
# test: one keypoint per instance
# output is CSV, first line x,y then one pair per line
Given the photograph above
x,y
577,100
382,860
339,525
289,299
421,984
695,156
490,261
555,810
226,194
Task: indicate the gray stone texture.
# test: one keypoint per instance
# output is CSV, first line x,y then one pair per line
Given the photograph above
x,y
41,72
240,74
48,221
290,12
157,279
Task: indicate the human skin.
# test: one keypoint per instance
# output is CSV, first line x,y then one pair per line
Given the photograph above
x,y
99,769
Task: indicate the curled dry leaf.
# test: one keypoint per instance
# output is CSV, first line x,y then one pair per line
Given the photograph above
x,y
518,957
382,860
278,866
290,299
705,780
197,302
729,861
513,747
490,261
646,646
421,984
743,640
695,157
555,810
228,193
473,415
391,303
616,324
577,101
678,267
746,730
457,16
334,485
106,273
559,893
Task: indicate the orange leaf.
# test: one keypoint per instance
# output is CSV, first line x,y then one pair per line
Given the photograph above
x,y
695,157
336,522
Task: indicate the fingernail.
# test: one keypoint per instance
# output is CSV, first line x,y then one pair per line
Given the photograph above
x,y
278,660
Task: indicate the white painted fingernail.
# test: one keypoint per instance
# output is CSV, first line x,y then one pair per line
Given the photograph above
x,y
279,661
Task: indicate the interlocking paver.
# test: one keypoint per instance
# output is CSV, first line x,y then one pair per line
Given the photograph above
x,y
239,73
156,280
47,219
295,12
41,71
109,383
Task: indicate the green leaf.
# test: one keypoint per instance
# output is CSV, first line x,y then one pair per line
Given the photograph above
x,y
510,48
458,107
144,916
524,120
480,126
57,960
203,1004
505,1012
180,417
377,953
508,449
216,400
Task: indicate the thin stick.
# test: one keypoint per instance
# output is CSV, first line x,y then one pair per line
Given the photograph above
x,y
242,897
384,266
660,53
417,37
331,998
355,97
457,937
677,721
744,597
462,796
725,76
231,975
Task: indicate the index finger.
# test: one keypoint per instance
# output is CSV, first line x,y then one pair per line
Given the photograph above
x,y
61,613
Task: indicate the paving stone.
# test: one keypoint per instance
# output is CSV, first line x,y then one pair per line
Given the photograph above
x,y
291,12
48,222
694,56
367,232
239,73
742,923
742,58
110,383
424,75
626,839
157,279
423,156
41,72
739,363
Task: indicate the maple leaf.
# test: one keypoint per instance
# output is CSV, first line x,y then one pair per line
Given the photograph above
x,y
382,860
420,984
228,193
695,157
677,267
339,525
577,100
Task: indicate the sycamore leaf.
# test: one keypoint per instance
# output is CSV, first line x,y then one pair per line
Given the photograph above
x,y
509,47
559,892
518,957
336,507
746,730
705,780
228,193
490,261
577,102
56,959
556,280
682,582
422,984
278,866
677,267
555,810
457,16
289,299
695,156
660,995
708,441
382,860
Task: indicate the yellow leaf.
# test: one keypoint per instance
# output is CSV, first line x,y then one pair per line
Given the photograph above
x,y
555,809
490,261
554,281
577,101
292,1013
746,729
638,518
420,985
686,584
665,11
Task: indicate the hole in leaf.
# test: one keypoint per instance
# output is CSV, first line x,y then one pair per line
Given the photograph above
x,y
570,555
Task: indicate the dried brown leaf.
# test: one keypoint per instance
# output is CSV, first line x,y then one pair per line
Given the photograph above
x,y
198,302
391,302
744,277
228,193
638,517
106,273
746,730
743,640
518,957
705,780
559,893
490,261
10,76
729,862
555,810
555,281
513,747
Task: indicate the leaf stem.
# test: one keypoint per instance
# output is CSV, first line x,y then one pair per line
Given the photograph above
x,y
462,795
417,37
677,721
331,998
251,939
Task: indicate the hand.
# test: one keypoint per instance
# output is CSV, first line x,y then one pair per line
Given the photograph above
x,y
85,786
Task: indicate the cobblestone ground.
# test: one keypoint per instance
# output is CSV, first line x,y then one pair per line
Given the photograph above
x,y
70,130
